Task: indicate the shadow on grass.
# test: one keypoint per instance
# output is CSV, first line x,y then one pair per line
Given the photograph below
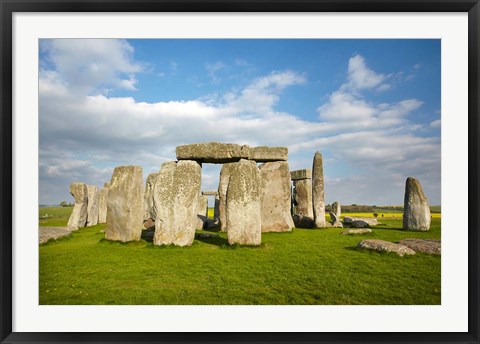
x,y
212,239
104,241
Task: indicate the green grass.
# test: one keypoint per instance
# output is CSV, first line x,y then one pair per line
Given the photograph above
x,y
301,267
54,216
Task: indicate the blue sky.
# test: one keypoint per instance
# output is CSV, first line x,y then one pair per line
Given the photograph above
x,y
371,107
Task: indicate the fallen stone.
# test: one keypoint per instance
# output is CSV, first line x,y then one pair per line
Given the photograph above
x,y
348,220
213,152
243,208
78,218
386,246
303,222
301,174
125,204
48,233
357,231
359,224
416,215
318,193
276,197
102,204
176,195
92,205
423,245
268,154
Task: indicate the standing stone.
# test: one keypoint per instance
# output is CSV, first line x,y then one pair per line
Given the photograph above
x,y
202,212
302,207
335,215
78,218
302,190
336,209
150,207
416,209
176,196
216,210
243,207
276,197
102,204
318,193
92,205
222,194
125,204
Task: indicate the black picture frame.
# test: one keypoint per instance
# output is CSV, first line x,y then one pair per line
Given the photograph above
x,y
9,7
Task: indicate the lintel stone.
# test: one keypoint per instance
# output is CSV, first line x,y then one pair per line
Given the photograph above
x,y
301,174
269,154
210,193
213,152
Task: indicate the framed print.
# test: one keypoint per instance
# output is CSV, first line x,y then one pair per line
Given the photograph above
x,y
239,172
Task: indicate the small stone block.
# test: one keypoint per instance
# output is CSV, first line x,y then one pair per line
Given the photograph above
x,y
269,154
301,174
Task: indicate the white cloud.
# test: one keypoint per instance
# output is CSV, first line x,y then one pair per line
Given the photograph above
x,y
87,65
360,76
82,137
436,124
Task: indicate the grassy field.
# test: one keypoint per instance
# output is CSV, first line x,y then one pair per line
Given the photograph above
x,y
54,216
301,267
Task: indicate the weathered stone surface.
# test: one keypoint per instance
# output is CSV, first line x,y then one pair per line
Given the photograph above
x,y
333,217
176,196
268,154
301,174
102,204
92,205
357,231
47,233
216,209
302,198
423,245
213,152
149,204
210,193
416,214
348,220
359,224
276,197
243,207
202,211
337,210
125,204
78,218
382,245
222,195
149,224
318,193
335,221
303,221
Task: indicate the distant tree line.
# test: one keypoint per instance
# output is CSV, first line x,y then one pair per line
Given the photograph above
x,y
354,208
65,204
